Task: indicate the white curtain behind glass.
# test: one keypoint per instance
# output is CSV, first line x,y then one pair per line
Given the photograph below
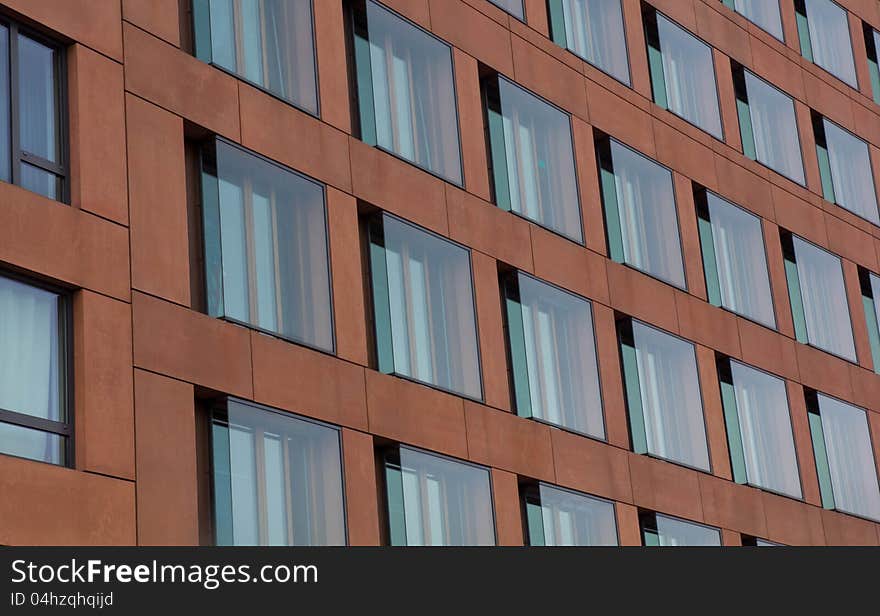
x,y
774,127
851,172
594,30
829,38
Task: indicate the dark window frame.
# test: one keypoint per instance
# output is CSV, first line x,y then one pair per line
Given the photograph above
x,y
648,524
530,493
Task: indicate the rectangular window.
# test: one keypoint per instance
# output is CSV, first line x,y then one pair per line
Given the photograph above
x,y
662,391
665,531
823,30
406,90
33,125
277,478
514,7
817,293
532,154
682,73
559,517
872,44
844,456
423,307
845,169
269,43
641,221
756,542
870,284
759,432
768,125
734,258
553,355
436,501
763,13
266,254
35,348
593,30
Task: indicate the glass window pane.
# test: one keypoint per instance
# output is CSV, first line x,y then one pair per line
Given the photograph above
x,y
850,458
32,444
738,242
647,215
826,310
689,76
39,181
30,351
763,13
572,519
273,241
413,93
594,30
446,503
514,7
5,118
433,327
560,355
268,42
774,127
539,159
675,532
765,426
670,397
851,172
829,39
282,476
874,281
38,100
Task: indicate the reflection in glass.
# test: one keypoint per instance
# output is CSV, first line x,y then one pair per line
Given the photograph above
x,y
592,29
735,262
558,517
277,479
684,77
514,7
850,454
762,13
424,307
663,395
266,246
406,91
435,501
268,42
849,166
533,158
823,294
762,437
31,444
38,100
553,351
665,531
640,212
827,42
5,117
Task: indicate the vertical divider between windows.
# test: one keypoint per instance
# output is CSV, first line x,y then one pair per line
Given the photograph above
x,y
817,434
631,386
731,421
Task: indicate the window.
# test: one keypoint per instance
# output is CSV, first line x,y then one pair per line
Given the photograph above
x,y
34,373
823,30
768,125
870,284
406,90
553,355
514,7
277,478
759,429
663,395
818,297
762,13
682,73
436,501
872,44
265,246
665,531
844,456
734,259
33,128
423,307
558,517
845,168
532,156
269,43
757,542
593,30
641,222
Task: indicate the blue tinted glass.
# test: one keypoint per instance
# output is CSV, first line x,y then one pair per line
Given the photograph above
x,y
851,172
774,127
594,30
829,39
763,13
38,100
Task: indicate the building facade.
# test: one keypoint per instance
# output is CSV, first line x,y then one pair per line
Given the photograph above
x,y
439,272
